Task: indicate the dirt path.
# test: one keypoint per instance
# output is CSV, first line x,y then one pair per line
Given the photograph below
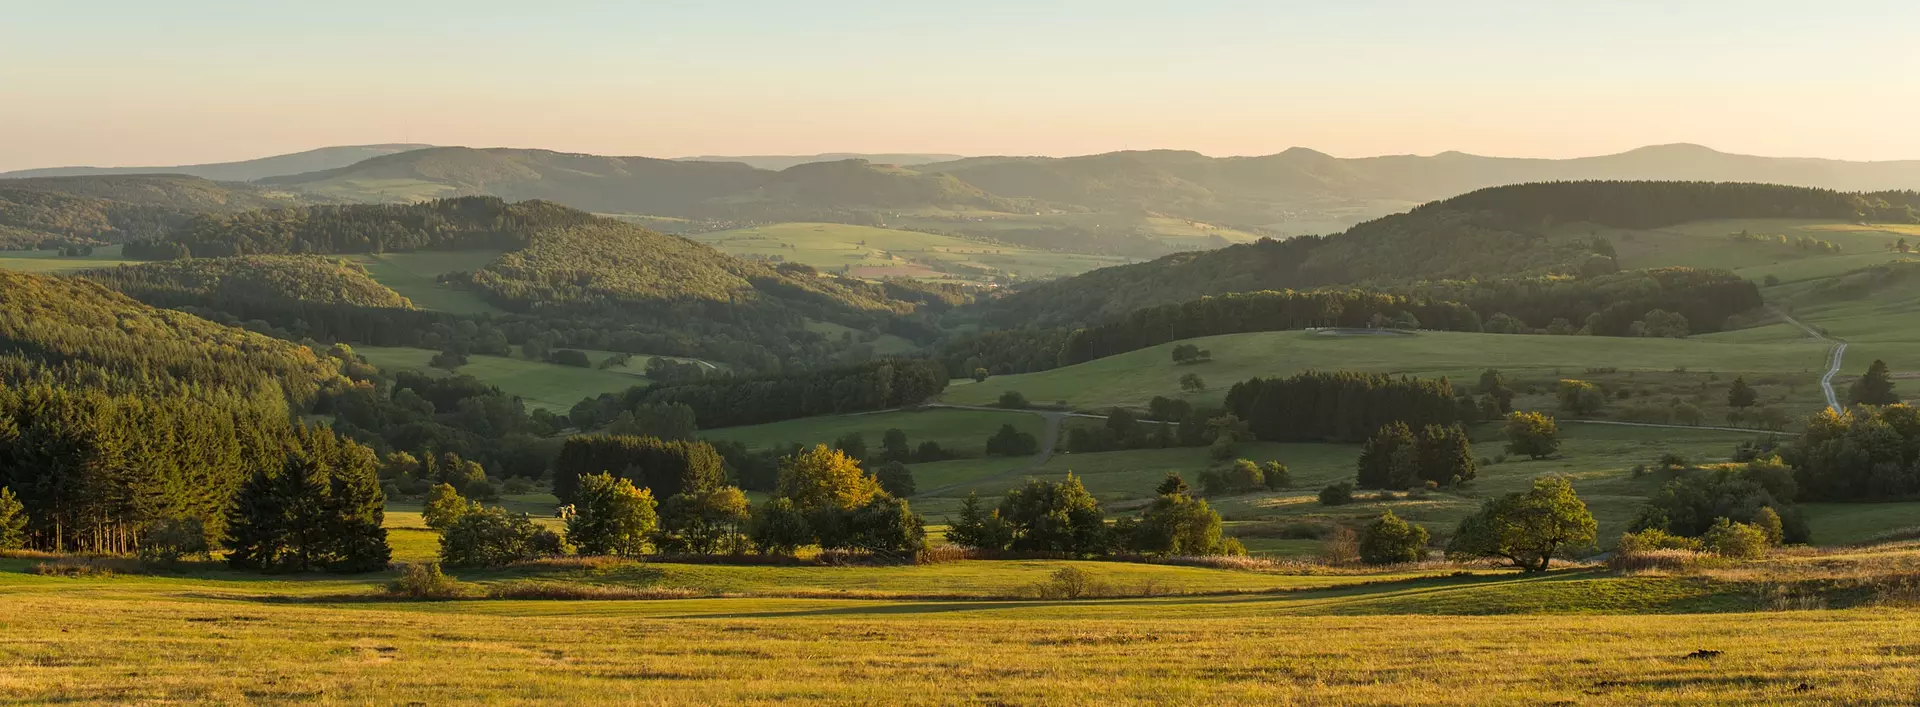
x,y
1833,359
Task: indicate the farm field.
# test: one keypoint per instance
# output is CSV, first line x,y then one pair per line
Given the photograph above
x,y
1598,459
869,252
1574,636
51,262
1132,378
541,384
415,276
1709,244
964,431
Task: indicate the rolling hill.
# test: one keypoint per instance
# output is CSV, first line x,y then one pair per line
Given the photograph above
x,y
117,208
780,162
242,171
1510,231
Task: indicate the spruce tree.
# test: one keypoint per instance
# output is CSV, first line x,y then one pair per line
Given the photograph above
x,y
1740,395
13,521
1445,455
1874,388
1388,460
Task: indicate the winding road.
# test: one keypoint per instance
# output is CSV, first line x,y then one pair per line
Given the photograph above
x,y
1833,359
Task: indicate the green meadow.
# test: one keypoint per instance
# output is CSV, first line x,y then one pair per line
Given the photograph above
x,y
869,252
416,275
1132,378
540,384
51,262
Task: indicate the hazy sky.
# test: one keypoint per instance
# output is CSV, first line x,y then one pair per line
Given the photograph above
x,y
182,81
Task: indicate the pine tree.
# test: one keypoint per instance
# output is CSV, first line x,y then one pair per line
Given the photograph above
x,y
1388,460
1446,455
1874,388
13,521
1740,395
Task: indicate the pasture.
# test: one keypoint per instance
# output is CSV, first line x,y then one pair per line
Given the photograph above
x,y
51,262
538,383
1131,379
1581,636
869,252
416,275
963,431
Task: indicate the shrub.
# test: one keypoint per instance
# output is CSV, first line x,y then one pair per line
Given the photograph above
x,y
1178,524
1069,583
569,357
1013,400
1653,539
1342,547
612,517
1276,476
1769,523
779,528
896,479
171,539
444,506
1011,442
425,582
1672,560
982,528
1337,494
1390,540
490,537
1738,541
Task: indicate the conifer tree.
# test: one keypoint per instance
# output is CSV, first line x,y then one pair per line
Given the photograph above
x,y
1874,388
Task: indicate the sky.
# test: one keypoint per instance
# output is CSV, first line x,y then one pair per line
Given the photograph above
x,y
136,83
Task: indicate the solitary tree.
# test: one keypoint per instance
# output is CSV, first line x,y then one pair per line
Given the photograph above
x,y
1580,397
1874,388
1192,382
1172,485
703,521
1740,395
1533,434
1390,540
1526,528
1178,525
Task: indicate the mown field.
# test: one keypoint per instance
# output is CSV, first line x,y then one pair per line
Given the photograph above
x,y
416,276
1133,378
52,262
541,384
1582,637
963,431
869,252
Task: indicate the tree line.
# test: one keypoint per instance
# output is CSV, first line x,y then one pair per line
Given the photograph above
x,y
1340,406
727,402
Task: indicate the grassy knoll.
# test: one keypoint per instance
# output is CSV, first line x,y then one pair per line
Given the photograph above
x,y
52,262
1132,378
540,384
965,431
1877,311
416,276
865,251
1567,637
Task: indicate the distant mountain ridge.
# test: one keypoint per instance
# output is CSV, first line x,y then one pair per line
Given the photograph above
x,y
241,171
780,162
1298,190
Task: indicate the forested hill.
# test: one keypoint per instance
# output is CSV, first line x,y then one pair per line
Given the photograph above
x,y
640,184
74,332
562,262
251,283
241,171
1491,233
114,209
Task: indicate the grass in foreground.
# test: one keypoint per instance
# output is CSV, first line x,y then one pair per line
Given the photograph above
x,y
137,639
